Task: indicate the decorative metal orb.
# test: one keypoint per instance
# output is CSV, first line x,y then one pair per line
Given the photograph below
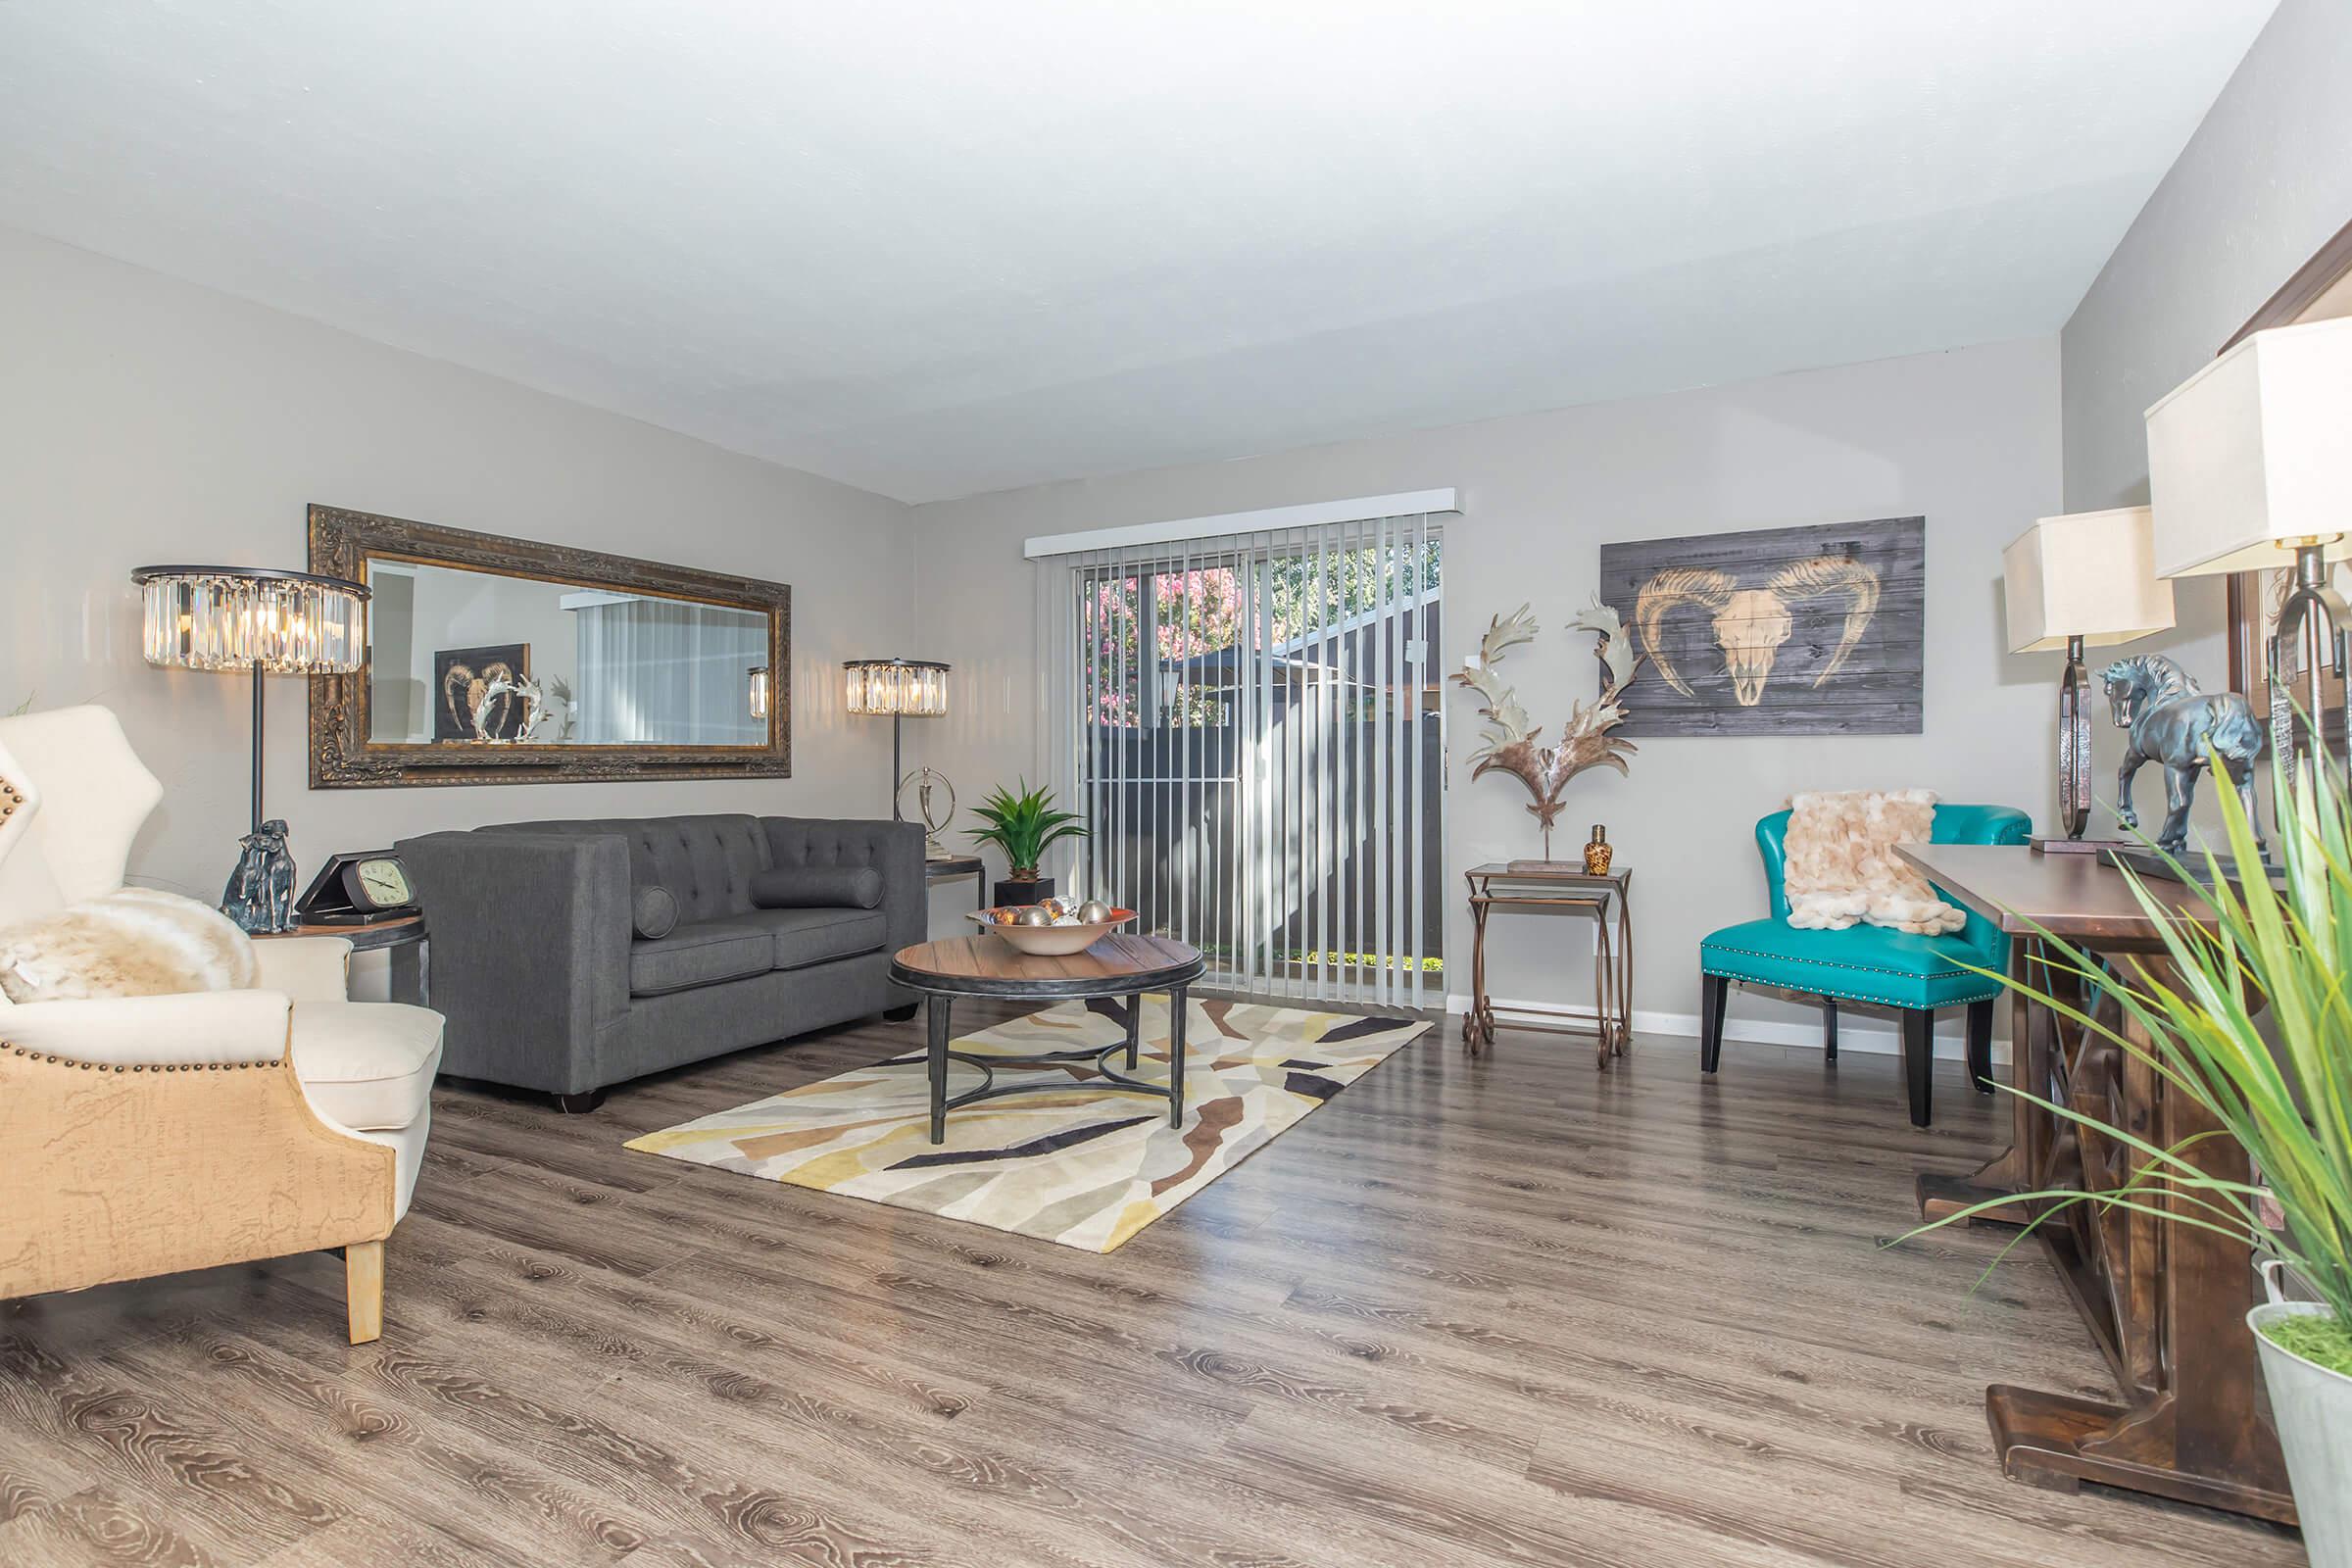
x,y
1093,912
933,799
1033,915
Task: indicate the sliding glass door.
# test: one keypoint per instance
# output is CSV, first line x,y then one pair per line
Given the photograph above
x,y
1250,726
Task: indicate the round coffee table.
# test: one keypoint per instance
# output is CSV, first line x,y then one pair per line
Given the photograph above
x,y
988,965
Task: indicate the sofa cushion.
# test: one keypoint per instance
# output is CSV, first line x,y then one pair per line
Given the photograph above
x,y
802,936
705,862
367,1066
702,954
817,887
1865,963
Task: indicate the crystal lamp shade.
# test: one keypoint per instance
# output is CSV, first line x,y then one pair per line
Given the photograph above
x,y
914,688
758,696
235,617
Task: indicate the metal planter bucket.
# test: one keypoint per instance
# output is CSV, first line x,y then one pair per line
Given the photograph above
x,y
2314,1410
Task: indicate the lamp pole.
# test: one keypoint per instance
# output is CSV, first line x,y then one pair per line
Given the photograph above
x,y
2306,620
259,675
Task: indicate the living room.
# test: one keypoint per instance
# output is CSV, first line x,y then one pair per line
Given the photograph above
x,y
737,821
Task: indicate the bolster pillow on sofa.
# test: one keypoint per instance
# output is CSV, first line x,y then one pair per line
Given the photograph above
x,y
653,910
817,887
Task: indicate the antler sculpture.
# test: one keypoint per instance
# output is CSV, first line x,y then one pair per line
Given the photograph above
x,y
508,689
1508,743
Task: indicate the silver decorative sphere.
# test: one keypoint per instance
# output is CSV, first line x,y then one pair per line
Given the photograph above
x,y
1093,912
1033,915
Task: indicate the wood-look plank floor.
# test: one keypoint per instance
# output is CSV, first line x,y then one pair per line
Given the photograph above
x,y
1476,1311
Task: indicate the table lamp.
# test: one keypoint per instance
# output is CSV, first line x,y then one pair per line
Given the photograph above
x,y
757,691
271,623
2250,465
2084,580
903,688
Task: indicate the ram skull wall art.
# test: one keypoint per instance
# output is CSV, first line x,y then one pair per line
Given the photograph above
x,y
1510,741
1782,631
464,707
1751,624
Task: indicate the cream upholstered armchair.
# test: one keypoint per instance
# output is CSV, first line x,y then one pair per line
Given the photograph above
x,y
151,1134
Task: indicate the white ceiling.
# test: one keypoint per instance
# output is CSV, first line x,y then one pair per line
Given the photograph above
x,y
932,247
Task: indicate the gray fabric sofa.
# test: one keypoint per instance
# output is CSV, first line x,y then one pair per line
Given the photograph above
x,y
545,984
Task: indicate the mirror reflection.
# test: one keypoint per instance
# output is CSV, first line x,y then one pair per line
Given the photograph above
x,y
466,658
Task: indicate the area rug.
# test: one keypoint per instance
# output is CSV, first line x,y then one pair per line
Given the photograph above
x,y
1085,1167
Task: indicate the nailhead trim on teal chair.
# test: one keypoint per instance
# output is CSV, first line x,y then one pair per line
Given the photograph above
x,y
1914,974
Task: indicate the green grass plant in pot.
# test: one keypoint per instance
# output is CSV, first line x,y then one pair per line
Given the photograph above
x,y
2285,1093
1023,826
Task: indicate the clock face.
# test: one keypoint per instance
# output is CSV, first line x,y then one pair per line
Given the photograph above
x,y
382,884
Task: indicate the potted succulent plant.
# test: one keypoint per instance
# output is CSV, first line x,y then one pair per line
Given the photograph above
x,y
2285,1093
1024,826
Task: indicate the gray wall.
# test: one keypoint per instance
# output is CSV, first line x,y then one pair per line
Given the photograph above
x,y
2264,182
144,419
1969,438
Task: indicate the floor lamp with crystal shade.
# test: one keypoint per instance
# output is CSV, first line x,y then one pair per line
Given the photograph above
x,y
2250,467
903,688
2084,580
271,623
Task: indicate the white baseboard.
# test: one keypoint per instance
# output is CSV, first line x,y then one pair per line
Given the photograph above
x,y
1871,1035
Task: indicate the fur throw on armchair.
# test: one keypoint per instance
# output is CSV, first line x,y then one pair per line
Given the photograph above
x,y
132,942
1841,866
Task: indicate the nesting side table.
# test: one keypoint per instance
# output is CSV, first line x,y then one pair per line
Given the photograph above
x,y
403,936
1528,885
947,867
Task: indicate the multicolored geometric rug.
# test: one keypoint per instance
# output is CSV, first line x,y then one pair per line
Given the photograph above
x,y
1086,1168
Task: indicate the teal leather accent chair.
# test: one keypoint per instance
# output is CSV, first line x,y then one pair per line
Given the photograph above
x,y
1868,963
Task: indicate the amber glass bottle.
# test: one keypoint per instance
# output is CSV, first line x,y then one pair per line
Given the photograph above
x,y
1599,851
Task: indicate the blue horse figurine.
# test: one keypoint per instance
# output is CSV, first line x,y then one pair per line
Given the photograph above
x,y
2175,723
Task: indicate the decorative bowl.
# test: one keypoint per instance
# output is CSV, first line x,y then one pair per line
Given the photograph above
x,y
1048,940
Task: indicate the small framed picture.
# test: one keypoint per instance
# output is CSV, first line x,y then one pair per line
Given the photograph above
x,y
462,678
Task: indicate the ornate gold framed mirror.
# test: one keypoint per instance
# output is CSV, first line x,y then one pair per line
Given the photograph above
x,y
498,660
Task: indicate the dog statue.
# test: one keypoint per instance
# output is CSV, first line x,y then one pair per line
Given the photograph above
x,y
259,896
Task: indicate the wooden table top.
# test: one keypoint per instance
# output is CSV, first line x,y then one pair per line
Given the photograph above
x,y
986,964
392,933
952,865
2078,896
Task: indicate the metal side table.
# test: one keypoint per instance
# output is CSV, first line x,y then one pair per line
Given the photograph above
x,y
947,867
1527,885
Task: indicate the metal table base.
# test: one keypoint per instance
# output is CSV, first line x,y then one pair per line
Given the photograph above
x,y
939,1005
1558,885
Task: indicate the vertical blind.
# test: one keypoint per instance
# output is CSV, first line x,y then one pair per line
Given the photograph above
x,y
666,672
1250,728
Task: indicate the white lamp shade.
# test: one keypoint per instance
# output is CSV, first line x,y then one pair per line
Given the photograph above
x,y
2253,454
2088,574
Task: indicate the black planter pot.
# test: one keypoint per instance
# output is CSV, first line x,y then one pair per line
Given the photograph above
x,y
1017,892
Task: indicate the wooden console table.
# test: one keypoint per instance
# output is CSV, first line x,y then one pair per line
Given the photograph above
x,y
2166,1303
1558,885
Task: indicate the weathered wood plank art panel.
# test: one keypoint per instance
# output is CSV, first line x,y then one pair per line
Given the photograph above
x,y
1778,632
